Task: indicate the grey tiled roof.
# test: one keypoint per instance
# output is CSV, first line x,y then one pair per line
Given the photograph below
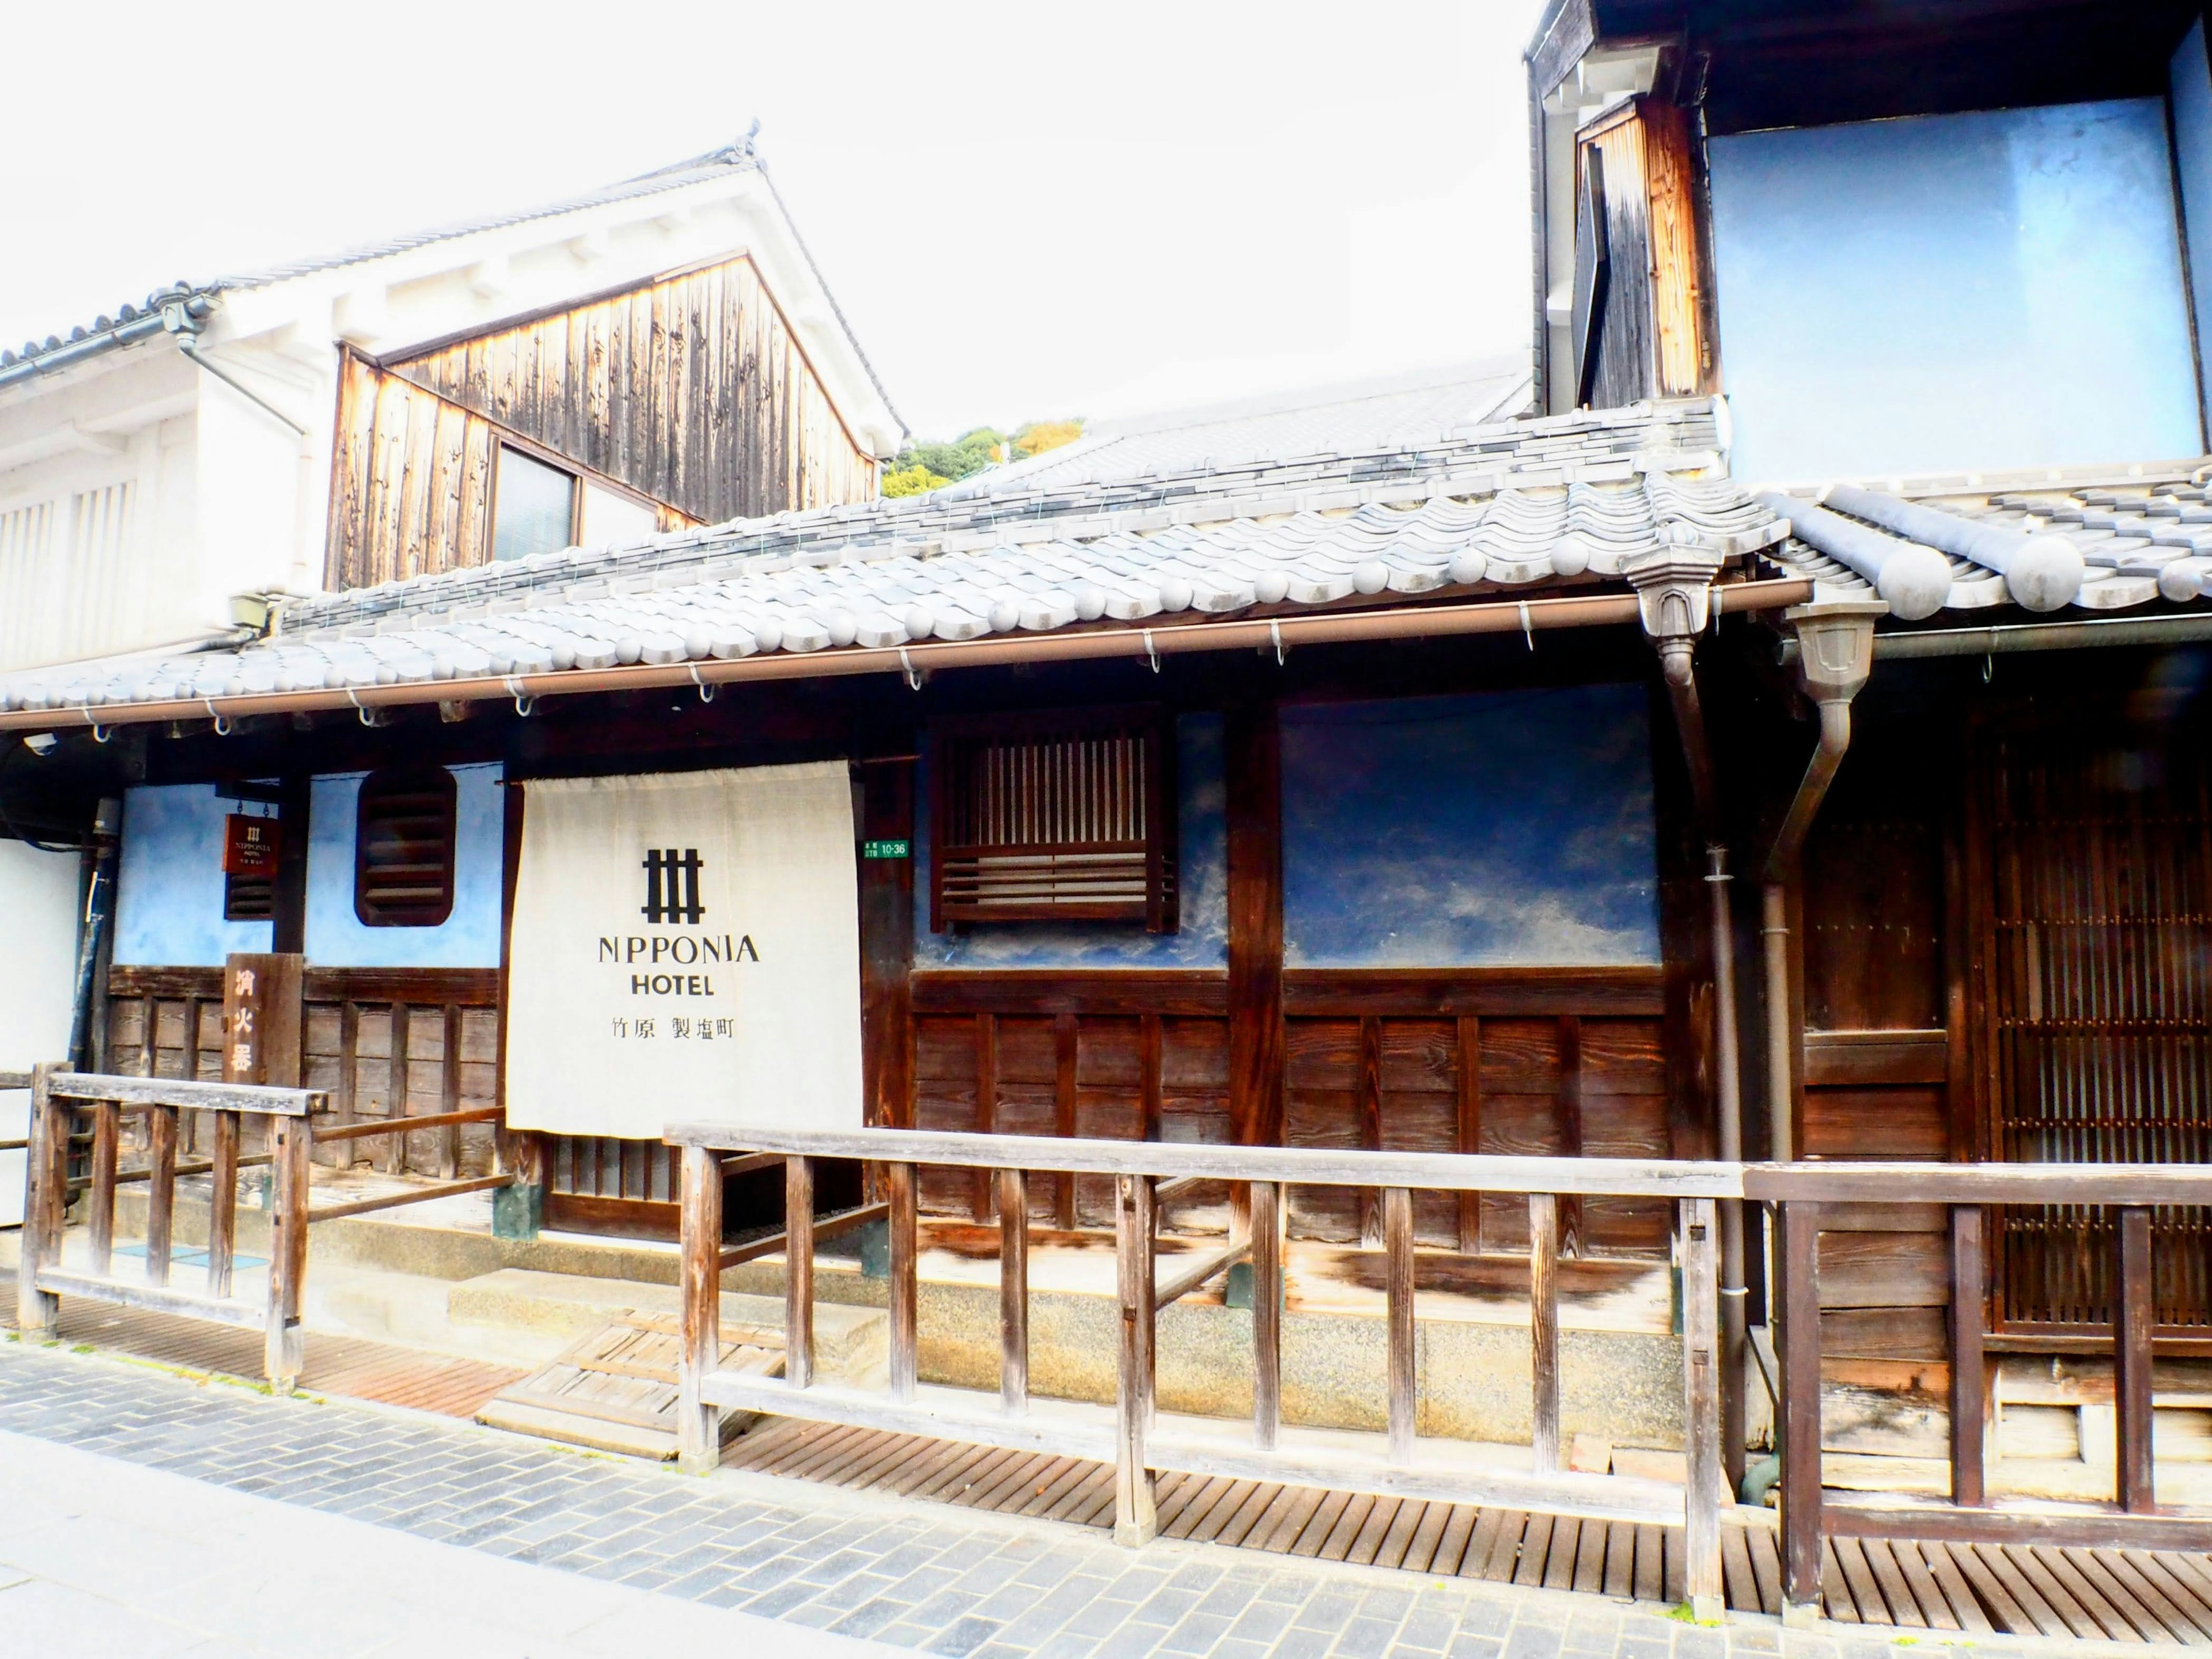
x,y
1513,505
2142,540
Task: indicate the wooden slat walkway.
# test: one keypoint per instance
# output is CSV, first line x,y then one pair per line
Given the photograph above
x,y
2127,1596
353,1368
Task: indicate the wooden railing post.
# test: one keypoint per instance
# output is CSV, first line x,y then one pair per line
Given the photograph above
x,y
46,1201
161,1191
222,1204
798,1271
698,1426
1268,1207
1969,1403
2133,1317
107,1131
1136,1514
1544,1330
290,1142
1701,1410
1398,1282
1801,1412
1014,1289
898,1186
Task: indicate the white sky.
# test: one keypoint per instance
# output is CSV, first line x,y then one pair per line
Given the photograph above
x,y
1026,212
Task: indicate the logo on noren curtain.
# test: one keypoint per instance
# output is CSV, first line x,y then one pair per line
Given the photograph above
x,y
671,885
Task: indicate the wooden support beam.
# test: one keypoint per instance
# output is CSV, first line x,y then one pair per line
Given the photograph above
x,y
1398,1256
1801,1412
1014,1289
1969,1388
1252,741
1267,1207
284,1350
106,1128
45,1188
698,1424
2131,1339
1194,1271
160,1191
342,1103
1136,1513
394,1158
449,1107
798,1271
987,1109
1701,1408
825,1227
1066,1053
898,1186
1469,1081
1544,1329
1369,1105
1570,1127
222,1205
411,1196
372,1127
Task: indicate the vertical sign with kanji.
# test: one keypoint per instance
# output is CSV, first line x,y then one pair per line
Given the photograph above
x,y
261,1018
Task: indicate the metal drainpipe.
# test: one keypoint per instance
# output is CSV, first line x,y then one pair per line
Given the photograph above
x,y
99,904
1673,590
1835,655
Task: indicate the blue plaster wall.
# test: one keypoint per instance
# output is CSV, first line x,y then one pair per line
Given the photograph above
x,y
1202,867
1989,290
168,889
1509,828
2190,75
470,937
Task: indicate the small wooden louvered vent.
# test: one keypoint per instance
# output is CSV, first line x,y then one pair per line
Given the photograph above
x,y
402,872
1055,818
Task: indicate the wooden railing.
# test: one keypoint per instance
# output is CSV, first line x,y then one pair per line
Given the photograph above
x,y
1799,1193
1134,1439
59,1097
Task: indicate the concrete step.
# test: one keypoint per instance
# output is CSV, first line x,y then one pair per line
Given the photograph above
x,y
851,1344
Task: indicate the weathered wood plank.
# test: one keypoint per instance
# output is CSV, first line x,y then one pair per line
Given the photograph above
x,y
1404,1373
1013,1290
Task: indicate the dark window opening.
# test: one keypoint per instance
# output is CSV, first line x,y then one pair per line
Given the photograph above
x,y
403,847
1055,817
533,506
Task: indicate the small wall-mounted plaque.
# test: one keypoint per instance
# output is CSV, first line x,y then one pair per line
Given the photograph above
x,y
886,849
249,846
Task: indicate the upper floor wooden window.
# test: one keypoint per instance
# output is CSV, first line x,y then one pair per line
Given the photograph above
x,y
403,846
540,508
1055,817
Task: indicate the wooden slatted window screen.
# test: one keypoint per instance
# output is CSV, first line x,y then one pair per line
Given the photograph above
x,y
403,847
1057,818
2101,955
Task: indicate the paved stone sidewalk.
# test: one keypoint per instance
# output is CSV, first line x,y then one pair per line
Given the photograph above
x,y
912,1575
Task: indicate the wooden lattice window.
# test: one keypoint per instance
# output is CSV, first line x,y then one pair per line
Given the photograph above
x,y
402,870
1055,817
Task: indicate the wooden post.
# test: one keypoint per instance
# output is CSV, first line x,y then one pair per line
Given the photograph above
x,y
160,1191
1701,1409
45,1198
2131,1356
1544,1329
1470,1128
698,1426
189,1127
1969,1422
349,1078
401,1030
1136,1515
1398,1257
898,1186
1266,1312
1066,1042
986,1111
449,1138
1014,1289
106,1130
285,1348
1252,741
799,1271
1800,1412
222,1204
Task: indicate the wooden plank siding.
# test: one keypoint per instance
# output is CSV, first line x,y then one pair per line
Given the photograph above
x,y
692,389
1652,343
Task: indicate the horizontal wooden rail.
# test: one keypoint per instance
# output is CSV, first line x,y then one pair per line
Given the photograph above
x,y
1180,1282
417,1196
14,1080
750,1162
400,1126
1297,1165
153,1298
828,1226
1980,1183
256,1098
124,1177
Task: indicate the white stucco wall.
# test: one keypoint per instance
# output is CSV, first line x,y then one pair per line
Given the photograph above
x,y
39,897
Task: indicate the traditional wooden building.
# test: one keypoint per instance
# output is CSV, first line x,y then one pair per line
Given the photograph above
x,y
1627,779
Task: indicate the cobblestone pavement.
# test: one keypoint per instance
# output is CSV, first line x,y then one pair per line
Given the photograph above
x,y
905,1574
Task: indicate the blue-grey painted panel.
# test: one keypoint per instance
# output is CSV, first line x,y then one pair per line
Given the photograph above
x,y
470,937
1978,291
169,888
1203,870
1506,829
2189,75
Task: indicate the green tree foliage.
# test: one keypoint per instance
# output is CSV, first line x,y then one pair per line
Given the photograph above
x,y
920,467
